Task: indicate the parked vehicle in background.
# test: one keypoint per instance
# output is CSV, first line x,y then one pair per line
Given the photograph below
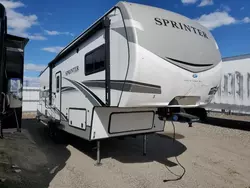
x,y
11,75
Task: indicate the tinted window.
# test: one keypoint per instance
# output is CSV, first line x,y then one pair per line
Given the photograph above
x,y
95,61
57,84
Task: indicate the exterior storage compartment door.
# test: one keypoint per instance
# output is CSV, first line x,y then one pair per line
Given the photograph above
x,y
141,121
77,118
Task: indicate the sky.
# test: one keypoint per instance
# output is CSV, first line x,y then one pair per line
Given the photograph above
x,y
52,24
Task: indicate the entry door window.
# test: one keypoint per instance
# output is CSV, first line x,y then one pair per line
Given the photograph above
x,y
57,83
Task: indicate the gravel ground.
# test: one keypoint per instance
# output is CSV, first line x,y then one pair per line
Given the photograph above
x,y
213,157
28,115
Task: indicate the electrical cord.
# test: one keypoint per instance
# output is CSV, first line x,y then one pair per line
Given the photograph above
x,y
184,170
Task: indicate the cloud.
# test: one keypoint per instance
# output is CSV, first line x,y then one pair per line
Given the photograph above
x,y
53,49
36,37
202,3
206,3
216,19
246,20
225,8
34,67
18,23
11,4
189,1
242,8
57,33
31,81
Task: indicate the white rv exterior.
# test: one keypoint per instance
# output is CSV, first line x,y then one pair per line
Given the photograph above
x,y
234,94
113,78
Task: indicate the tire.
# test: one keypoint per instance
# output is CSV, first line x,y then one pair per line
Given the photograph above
x,y
202,114
54,133
38,119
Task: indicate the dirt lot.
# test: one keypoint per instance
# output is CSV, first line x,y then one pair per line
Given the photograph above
x,y
212,156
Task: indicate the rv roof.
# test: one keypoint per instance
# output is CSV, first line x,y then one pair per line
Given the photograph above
x,y
20,42
238,57
88,31
200,35
74,43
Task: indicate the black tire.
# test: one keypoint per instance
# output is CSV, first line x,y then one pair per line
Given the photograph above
x,y
51,129
203,114
54,133
38,119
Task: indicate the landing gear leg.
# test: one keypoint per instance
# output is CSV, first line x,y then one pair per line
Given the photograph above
x,y
190,124
52,130
144,145
1,128
98,160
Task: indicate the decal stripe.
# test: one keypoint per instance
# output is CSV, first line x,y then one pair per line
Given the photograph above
x,y
186,63
120,85
67,89
87,92
128,81
56,110
129,86
60,113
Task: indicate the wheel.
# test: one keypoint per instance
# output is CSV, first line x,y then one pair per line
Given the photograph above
x,y
203,114
54,133
52,129
38,119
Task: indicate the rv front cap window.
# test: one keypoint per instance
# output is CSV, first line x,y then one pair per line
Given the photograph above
x,y
95,60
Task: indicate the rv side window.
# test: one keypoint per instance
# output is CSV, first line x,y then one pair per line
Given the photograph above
x,y
57,84
95,60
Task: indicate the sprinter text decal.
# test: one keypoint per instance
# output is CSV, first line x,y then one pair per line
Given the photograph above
x,y
178,25
73,70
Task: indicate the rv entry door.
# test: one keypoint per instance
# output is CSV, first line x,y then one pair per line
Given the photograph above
x,y
58,95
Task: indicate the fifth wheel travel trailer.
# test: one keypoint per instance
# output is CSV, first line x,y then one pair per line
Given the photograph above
x,y
129,72
11,76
